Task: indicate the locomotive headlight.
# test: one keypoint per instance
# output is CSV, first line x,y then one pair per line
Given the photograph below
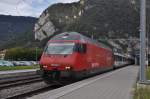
x,y
68,67
44,66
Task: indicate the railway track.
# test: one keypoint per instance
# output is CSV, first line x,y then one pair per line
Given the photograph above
x,y
46,88
16,81
30,93
22,87
27,86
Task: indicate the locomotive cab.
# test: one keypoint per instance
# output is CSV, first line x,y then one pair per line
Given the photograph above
x,y
59,59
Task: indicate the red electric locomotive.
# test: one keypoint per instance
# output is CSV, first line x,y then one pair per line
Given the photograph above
x,y
73,55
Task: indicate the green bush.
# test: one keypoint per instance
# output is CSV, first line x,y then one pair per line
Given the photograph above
x,y
148,73
5,68
142,93
26,54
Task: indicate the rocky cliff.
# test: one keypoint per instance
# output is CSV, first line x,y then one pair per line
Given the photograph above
x,y
111,19
103,18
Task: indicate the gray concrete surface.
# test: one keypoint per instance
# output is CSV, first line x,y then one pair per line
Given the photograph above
x,y
16,71
113,85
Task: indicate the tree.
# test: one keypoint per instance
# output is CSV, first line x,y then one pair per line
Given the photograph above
x,y
26,54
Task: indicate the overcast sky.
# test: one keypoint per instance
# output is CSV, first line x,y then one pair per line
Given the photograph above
x,y
27,7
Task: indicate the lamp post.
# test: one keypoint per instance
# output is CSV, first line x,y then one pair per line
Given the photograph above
x,y
36,54
92,35
142,41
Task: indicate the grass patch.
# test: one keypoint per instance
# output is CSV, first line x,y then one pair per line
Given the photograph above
x,y
142,93
148,73
4,68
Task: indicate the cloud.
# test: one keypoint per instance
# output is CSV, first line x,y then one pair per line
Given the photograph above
x,y
7,9
67,1
10,1
27,7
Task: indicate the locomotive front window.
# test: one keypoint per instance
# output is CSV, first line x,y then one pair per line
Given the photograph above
x,y
60,48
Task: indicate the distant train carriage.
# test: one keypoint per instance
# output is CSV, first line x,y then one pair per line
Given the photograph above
x,y
122,60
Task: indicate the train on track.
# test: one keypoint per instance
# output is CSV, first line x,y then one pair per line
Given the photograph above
x,y
72,55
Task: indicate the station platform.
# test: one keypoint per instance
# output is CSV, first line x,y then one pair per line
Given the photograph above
x,y
117,84
17,71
